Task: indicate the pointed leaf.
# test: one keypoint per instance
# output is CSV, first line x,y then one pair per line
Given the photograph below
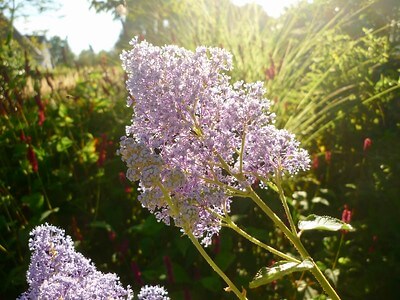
x,y
47,213
280,269
324,223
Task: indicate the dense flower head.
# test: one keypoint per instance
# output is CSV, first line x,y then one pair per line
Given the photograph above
x,y
153,293
57,271
210,137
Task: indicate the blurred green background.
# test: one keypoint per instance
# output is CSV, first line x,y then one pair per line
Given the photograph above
x,y
331,68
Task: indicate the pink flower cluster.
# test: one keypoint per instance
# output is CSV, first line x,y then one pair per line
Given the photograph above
x,y
209,136
57,271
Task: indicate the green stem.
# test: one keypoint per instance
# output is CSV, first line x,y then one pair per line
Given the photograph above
x,y
284,202
268,211
214,266
338,251
296,242
232,225
44,192
199,248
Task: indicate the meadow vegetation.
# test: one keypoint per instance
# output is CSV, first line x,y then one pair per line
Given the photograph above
x,y
331,70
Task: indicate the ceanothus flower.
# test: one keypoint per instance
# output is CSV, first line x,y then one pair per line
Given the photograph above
x,y
211,137
153,293
57,271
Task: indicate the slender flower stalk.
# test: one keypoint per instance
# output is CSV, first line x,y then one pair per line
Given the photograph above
x,y
232,225
295,240
196,141
278,178
215,267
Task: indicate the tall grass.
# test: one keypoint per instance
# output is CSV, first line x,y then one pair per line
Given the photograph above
x,y
317,61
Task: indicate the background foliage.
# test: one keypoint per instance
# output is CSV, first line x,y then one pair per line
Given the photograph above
x,y
332,69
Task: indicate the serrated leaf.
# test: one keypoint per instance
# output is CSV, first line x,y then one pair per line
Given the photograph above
x,y
280,269
324,223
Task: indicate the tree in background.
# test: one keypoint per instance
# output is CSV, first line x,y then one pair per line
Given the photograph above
x,y
61,53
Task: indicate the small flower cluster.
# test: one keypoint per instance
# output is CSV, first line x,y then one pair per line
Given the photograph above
x,y
57,271
153,293
193,134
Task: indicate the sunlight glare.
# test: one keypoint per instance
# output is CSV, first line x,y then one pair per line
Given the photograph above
x,y
273,8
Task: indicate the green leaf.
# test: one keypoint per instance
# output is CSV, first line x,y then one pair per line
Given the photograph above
x,y
88,152
320,200
34,201
101,224
63,144
48,213
280,269
324,223
62,110
333,275
211,283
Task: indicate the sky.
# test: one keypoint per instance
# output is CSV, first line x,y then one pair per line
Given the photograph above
x,y
84,28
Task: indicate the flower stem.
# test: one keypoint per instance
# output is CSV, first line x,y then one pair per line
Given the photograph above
x,y
338,251
232,225
295,240
214,266
199,248
284,202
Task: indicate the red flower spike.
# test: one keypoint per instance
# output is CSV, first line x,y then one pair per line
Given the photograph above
x,y
22,136
128,190
102,150
367,144
123,248
328,157
136,273
122,177
112,235
168,266
32,159
346,216
42,117
315,162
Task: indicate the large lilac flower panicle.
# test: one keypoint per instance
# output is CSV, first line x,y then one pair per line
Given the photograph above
x,y
153,293
191,128
57,271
